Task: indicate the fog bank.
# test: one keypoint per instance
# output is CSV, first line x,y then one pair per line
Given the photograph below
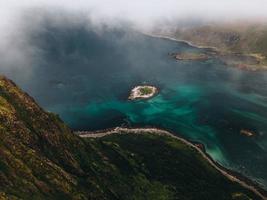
x,y
20,19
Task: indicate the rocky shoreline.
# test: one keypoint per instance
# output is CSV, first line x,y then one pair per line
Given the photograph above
x,y
231,175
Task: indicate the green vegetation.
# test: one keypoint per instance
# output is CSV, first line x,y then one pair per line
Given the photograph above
x,y
146,90
42,159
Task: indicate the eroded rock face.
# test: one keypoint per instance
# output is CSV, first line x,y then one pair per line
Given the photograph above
x,y
143,92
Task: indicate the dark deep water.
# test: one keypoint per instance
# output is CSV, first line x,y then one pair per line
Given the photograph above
x,y
86,76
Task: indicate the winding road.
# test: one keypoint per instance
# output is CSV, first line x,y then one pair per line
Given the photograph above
x,y
120,130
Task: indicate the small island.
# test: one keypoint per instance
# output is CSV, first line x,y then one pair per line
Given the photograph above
x,y
190,56
249,62
143,92
247,133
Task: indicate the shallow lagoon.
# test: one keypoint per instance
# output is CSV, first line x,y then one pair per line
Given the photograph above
x,y
86,77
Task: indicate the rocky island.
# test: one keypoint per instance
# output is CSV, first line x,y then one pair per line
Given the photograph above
x,y
247,133
190,56
143,92
247,62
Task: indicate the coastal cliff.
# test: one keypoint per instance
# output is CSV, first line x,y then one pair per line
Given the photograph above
x,y
41,158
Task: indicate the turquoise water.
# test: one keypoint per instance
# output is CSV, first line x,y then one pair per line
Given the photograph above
x,y
86,77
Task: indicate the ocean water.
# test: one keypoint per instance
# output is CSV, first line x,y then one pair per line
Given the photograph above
x,y
85,76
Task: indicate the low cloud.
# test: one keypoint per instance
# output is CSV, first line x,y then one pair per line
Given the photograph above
x,y
18,19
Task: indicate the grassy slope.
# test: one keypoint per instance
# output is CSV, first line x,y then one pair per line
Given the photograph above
x,y
42,159
236,37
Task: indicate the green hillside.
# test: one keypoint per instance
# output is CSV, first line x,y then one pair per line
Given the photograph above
x,y
42,159
231,39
